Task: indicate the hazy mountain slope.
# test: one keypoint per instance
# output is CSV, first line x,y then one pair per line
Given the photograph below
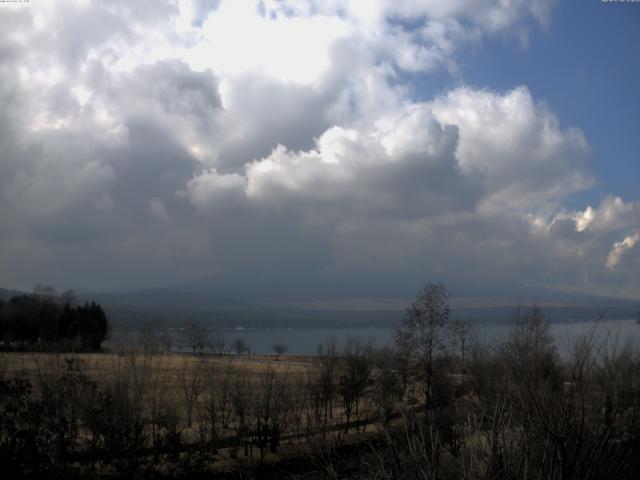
x,y
172,307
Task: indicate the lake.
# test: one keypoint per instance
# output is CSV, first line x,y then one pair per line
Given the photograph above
x,y
305,341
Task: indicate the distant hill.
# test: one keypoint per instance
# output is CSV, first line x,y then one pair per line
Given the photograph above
x,y
171,307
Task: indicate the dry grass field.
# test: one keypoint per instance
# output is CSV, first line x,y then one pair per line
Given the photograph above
x,y
178,382
103,365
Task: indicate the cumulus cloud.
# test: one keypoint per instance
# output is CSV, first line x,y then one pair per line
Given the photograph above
x,y
470,149
518,144
619,249
181,139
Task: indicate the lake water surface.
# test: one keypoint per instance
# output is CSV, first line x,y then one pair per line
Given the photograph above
x,y
305,341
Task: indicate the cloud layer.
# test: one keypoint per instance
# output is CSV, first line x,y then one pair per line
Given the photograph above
x,y
156,142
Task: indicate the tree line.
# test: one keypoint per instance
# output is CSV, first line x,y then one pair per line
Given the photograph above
x,y
48,320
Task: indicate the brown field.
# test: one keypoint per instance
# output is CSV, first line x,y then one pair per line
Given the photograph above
x,y
101,365
186,384
169,379
182,383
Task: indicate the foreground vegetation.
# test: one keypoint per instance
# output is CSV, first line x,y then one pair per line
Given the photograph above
x,y
438,406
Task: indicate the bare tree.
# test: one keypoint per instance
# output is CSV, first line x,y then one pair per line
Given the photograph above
x,y
138,371
300,398
421,338
576,418
218,342
240,346
149,340
412,450
328,359
530,351
166,342
242,413
191,377
215,411
387,384
279,349
354,377
270,405
196,337
460,331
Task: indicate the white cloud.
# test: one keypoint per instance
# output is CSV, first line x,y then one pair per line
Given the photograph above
x,y
405,169
249,136
619,249
238,39
209,189
501,150
517,144
612,214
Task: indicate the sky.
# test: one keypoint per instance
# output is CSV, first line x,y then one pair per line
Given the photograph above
x,y
320,148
